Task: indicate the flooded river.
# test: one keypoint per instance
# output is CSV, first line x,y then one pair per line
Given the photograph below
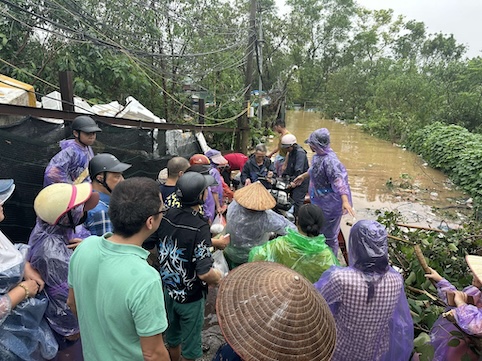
x,y
383,175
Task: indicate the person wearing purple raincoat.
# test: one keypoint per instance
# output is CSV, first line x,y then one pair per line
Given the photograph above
x,y
329,188
59,208
467,316
217,159
368,302
70,165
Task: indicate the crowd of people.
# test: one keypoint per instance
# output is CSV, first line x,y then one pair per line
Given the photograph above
x,y
120,269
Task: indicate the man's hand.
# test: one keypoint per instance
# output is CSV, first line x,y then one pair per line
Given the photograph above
x,y
248,182
221,242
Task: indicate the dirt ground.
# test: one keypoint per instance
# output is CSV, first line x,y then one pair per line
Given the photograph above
x,y
211,332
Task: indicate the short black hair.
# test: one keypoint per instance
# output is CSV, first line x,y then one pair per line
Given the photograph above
x,y
132,202
280,123
176,165
310,219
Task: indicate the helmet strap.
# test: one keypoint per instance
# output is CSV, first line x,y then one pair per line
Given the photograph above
x,y
104,183
78,138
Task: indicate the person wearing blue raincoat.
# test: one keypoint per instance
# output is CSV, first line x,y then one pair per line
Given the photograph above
x,y
328,188
368,301
24,333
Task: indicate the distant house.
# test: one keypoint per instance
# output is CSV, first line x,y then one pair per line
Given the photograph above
x,y
197,92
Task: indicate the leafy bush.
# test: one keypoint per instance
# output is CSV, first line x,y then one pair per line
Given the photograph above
x,y
444,252
455,151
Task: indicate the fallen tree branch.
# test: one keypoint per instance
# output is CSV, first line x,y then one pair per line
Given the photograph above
x,y
421,227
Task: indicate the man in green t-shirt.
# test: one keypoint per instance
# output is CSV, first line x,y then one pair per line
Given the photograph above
x,y
117,296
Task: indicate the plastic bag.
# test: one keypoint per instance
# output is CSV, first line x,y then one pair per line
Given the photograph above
x,y
220,262
218,225
308,256
24,333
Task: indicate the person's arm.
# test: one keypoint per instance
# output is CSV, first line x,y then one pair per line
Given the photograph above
x,y
204,258
216,202
71,301
298,180
244,173
468,317
31,274
400,330
270,167
153,348
221,242
330,287
346,206
58,169
212,277
273,152
16,295
22,291
443,286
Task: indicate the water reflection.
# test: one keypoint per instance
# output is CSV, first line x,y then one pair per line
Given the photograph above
x,y
372,162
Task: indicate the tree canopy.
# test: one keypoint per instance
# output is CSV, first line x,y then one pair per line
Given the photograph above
x,y
347,61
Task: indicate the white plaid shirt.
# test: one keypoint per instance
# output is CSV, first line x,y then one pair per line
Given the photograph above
x,y
362,328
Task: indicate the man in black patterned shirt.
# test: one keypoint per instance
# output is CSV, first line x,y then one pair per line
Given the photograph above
x,y
186,266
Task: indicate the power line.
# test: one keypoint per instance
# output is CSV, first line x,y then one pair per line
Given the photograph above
x,y
125,51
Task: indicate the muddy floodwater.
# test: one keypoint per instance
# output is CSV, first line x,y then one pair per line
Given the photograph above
x,y
382,176
385,176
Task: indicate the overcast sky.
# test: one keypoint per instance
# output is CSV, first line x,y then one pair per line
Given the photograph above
x,y
459,17
463,18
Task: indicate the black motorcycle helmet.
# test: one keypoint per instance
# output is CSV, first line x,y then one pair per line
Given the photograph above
x,y
191,186
103,163
84,123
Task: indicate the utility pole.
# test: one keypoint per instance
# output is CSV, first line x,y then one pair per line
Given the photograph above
x,y
243,121
260,66
67,90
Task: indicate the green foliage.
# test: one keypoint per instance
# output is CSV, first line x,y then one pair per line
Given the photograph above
x,y
455,151
367,66
444,252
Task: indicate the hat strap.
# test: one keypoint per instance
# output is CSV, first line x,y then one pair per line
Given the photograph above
x,y
72,198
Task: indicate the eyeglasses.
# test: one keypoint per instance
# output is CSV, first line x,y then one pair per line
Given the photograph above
x,y
162,211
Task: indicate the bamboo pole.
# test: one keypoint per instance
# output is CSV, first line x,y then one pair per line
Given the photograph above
x,y
421,258
421,227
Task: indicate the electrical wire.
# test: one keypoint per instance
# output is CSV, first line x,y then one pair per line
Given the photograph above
x,y
125,51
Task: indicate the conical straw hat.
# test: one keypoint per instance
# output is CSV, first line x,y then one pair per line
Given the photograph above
x,y
55,200
269,312
255,197
475,264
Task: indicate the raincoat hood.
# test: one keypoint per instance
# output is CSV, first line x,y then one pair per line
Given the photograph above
x,y
319,140
368,247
